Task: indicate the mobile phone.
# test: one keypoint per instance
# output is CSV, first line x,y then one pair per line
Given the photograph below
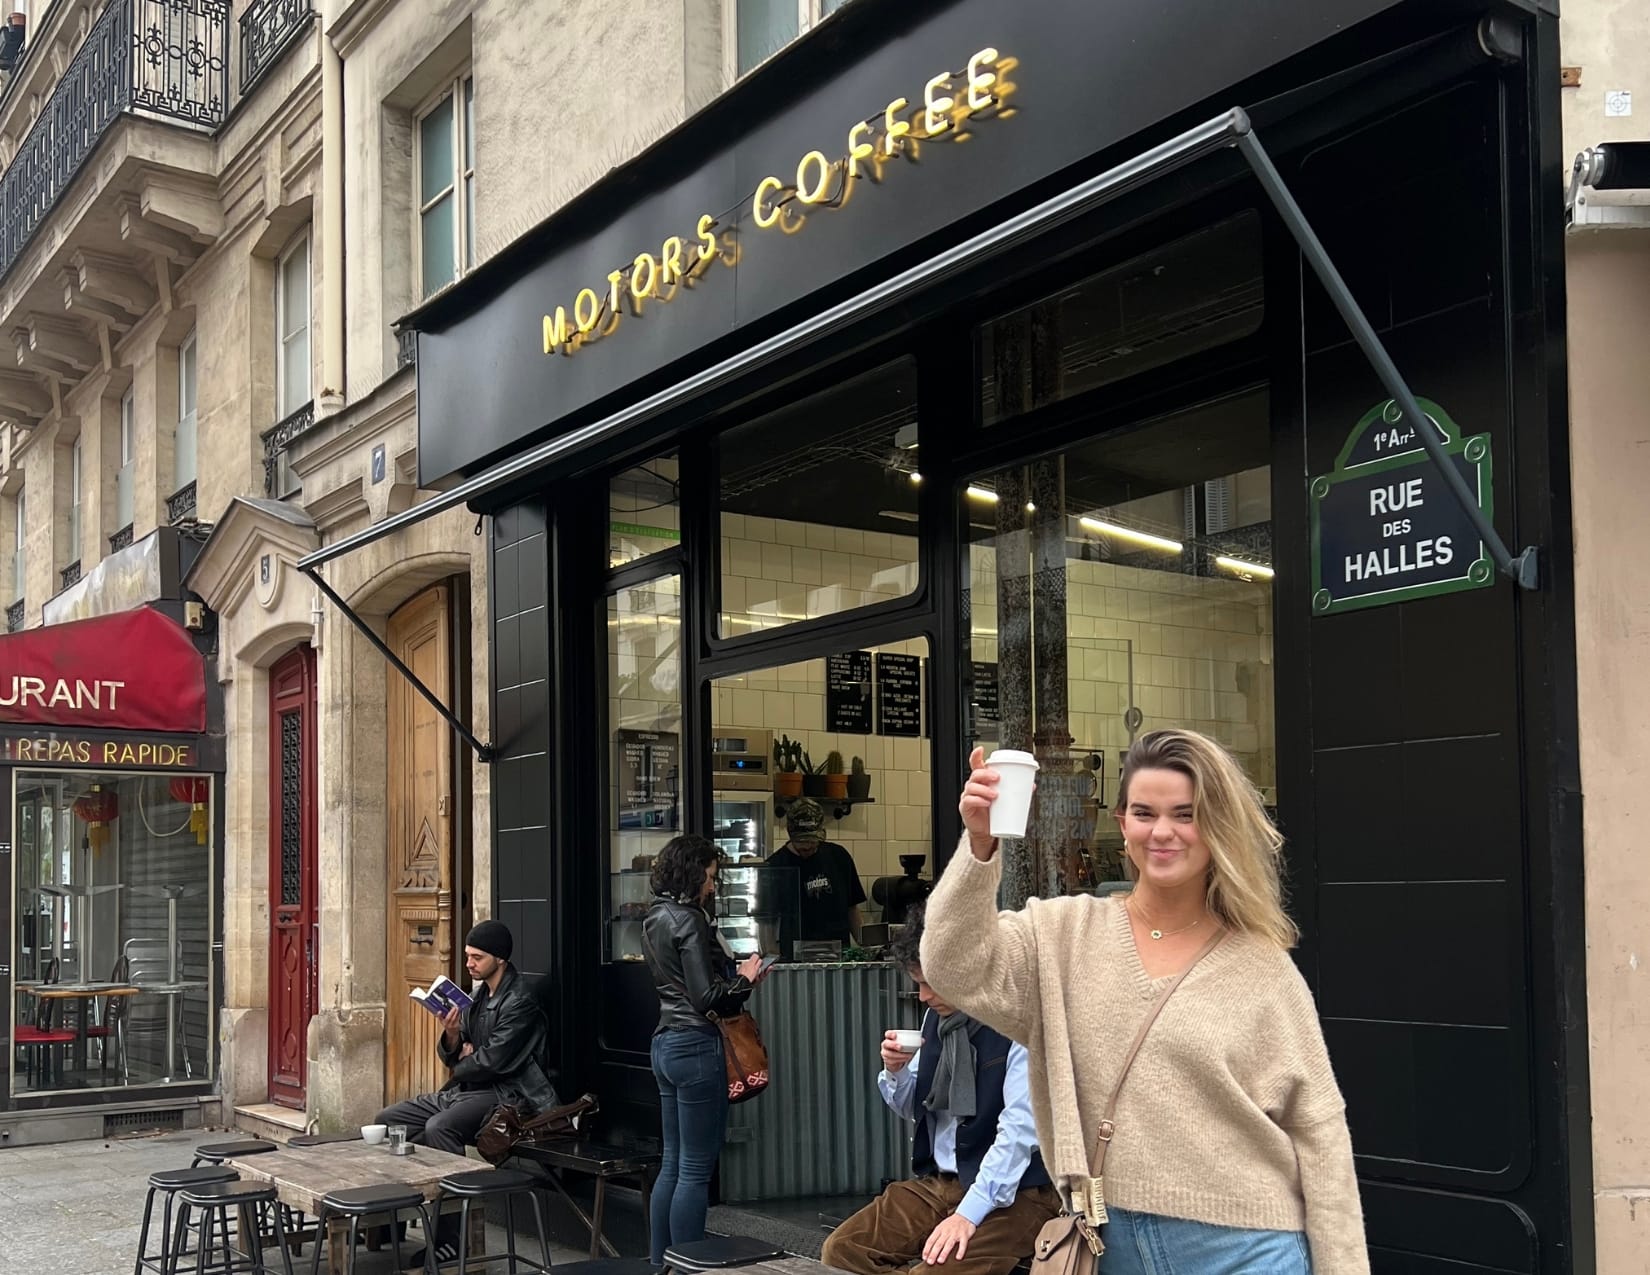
x,y
768,962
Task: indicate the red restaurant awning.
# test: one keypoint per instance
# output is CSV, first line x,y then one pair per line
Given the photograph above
x,y
136,670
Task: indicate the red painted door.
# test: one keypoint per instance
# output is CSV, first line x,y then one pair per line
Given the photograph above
x,y
292,884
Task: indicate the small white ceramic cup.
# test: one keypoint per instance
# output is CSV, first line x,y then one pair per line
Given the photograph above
x,y
907,1041
1017,776
373,1134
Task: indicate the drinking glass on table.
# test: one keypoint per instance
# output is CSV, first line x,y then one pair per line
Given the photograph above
x,y
397,1138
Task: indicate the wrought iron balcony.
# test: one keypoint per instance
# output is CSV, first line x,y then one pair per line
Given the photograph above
x,y
180,505
268,29
71,574
165,58
275,442
14,616
406,348
122,539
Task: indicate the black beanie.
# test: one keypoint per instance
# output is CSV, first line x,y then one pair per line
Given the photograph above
x,y
491,937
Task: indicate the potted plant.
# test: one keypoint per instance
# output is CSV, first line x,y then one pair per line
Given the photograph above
x,y
859,782
836,777
787,767
813,779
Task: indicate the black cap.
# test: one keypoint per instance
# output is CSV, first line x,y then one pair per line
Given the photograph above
x,y
491,937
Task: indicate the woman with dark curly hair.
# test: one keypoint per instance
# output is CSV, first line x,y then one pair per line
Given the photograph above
x,y
696,979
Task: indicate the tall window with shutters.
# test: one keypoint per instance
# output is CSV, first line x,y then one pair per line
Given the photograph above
x,y
446,185
126,462
18,559
74,502
184,461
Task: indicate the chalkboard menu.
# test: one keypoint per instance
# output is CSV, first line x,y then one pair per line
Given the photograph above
x,y
986,700
649,772
848,693
899,694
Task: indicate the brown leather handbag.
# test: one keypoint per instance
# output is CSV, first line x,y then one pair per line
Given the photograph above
x,y
505,1131
745,1054
1070,1244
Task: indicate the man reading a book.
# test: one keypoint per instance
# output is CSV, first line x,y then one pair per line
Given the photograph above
x,y
493,1050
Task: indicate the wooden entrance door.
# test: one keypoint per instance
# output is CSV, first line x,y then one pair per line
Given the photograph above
x,y
420,927
293,931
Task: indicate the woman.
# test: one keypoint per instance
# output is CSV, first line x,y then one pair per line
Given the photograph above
x,y
1230,1150
694,976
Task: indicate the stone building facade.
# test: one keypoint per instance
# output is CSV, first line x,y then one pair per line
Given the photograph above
x,y
202,298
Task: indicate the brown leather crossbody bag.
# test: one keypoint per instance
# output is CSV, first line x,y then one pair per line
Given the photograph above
x,y
1070,1244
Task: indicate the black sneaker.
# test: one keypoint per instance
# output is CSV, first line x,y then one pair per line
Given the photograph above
x,y
446,1252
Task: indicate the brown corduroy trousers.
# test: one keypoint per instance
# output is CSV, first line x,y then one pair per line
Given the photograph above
x,y
888,1234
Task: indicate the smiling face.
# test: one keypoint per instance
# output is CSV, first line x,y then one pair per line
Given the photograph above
x,y
1161,831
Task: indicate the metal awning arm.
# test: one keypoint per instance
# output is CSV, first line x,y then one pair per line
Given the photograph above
x,y
1522,569
484,752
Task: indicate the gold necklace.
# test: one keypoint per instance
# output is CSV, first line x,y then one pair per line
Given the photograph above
x,y
1156,933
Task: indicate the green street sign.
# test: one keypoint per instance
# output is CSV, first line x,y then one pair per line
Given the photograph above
x,y
1385,526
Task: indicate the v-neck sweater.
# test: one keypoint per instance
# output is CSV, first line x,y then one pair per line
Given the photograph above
x,y
1230,1114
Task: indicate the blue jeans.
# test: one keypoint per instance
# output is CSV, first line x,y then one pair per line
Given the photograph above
x,y
693,1102
1148,1244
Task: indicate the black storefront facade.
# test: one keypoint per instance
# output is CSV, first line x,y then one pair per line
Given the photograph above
x,y
1159,483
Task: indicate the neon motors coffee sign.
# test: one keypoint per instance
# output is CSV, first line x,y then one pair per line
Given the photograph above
x,y
949,104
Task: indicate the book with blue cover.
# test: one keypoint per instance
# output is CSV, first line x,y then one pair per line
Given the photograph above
x,y
442,996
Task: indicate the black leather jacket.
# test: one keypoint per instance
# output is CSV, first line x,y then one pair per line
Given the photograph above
x,y
689,970
508,1031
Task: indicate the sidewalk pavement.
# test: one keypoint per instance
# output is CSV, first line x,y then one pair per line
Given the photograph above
x,y
74,1208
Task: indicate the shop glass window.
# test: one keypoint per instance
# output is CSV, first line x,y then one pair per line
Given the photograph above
x,y
644,511
446,186
763,27
74,502
112,889
1196,293
850,733
819,504
644,731
1122,586
126,468
184,452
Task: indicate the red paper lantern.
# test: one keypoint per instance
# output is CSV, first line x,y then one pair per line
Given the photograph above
x,y
97,809
196,790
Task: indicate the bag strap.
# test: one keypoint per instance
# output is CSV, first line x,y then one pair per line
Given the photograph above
x,y
1107,1128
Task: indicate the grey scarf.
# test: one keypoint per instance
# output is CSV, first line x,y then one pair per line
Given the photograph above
x,y
953,1087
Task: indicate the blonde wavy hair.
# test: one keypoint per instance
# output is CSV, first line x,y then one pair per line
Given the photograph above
x,y
1245,883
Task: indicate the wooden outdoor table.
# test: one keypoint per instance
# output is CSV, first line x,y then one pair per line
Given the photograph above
x,y
303,1175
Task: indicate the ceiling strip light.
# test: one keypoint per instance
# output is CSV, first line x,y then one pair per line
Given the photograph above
x,y
1129,533
982,493
1246,568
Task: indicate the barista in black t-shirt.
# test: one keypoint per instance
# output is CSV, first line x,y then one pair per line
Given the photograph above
x,y
827,882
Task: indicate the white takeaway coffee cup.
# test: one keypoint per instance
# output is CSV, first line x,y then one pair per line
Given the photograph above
x,y
1016,777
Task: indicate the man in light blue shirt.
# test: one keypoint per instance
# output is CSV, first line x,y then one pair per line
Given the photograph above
x,y
979,1192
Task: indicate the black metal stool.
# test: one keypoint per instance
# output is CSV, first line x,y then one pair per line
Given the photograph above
x,y
492,1184
718,1252
249,1200
370,1201
218,1152
169,1182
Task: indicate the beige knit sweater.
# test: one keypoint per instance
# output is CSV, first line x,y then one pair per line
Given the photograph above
x,y
1230,1115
